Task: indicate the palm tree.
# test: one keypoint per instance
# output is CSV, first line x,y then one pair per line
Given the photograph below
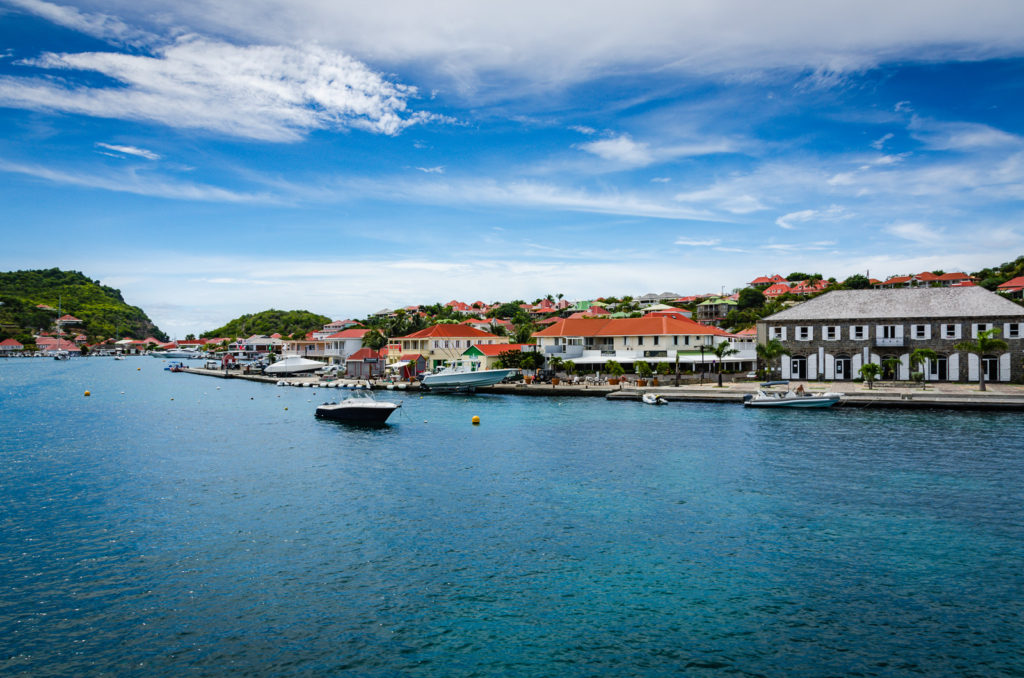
x,y
870,371
721,351
768,352
988,341
891,364
918,359
375,339
555,363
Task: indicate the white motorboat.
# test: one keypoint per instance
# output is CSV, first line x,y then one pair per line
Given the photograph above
x,y
361,407
769,396
292,364
178,353
461,376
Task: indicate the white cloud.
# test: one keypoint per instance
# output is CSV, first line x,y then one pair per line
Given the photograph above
x,y
621,149
697,243
879,144
101,26
583,129
789,221
916,232
130,182
432,170
273,93
660,180
961,136
130,150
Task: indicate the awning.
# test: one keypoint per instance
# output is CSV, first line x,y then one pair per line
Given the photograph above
x,y
400,363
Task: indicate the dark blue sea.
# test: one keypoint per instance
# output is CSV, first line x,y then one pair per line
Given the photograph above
x,y
179,525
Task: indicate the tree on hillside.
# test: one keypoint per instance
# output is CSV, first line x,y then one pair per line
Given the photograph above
x,y
988,341
750,297
857,282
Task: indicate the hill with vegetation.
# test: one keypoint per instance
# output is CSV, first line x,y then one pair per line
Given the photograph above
x,y
272,321
102,309
991,278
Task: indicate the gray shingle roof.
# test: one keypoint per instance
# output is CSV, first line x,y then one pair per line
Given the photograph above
x,y
919,302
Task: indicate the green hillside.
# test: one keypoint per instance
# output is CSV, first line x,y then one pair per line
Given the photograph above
x,y
102,309
991,278
273,321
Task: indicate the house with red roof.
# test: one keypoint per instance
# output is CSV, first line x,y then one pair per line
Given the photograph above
x,y
51,344
765,281
439,344
776,290
408,367
11,346
366,363
652,338
1013,287
340,345
68,320
925,279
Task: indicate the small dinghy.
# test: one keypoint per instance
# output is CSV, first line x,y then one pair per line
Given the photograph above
x,y
653,399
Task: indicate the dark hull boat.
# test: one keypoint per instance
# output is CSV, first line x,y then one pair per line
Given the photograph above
x,y
359,408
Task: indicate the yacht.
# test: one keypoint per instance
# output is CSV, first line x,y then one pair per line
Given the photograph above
x,y
359,408
292,364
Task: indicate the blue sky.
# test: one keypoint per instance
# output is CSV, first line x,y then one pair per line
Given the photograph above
x,y
226,157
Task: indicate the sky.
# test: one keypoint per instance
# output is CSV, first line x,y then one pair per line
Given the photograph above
x,y
219,157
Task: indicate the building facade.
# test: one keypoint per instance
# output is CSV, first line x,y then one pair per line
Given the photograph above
x,y
832,336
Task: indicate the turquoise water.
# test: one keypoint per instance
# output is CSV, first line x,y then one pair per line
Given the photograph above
x,y
171,524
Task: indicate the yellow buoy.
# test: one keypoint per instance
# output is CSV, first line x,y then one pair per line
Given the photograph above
x,y
88,393
476,419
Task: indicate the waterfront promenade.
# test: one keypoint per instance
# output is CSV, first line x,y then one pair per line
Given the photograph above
x,y
998,396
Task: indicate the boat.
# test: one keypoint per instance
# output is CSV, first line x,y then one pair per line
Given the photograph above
x,y
178,353
771,396
460,376
292,364
360,407
653,399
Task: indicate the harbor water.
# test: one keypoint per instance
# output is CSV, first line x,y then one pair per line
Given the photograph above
x,y
179,525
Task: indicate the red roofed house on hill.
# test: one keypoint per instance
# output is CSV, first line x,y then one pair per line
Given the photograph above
x,y
442,343
340,345
1013,287
652,339
766,281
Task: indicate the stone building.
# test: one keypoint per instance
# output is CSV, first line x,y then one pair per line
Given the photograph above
x,y
832,336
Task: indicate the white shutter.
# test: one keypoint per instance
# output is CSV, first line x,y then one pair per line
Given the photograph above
x,y
899,331
786,364
812,366
972,366
927,367
927,331
905,366
953,367
1004,367
830,366
856,362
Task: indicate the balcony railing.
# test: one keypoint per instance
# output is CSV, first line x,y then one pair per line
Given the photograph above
x,y
889,341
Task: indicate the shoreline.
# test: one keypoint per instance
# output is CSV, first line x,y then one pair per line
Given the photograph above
x,y
1000,397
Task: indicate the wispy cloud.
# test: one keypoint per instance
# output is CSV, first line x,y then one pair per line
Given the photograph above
x,y
625,151
432,170
130,182
697,243
916,232
879,144
130,150
961,136
102,26
272,93
789,221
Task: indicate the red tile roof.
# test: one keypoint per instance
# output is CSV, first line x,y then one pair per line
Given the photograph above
x,y
648,325
11,343
1013,285
348,334
364,353
448,331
